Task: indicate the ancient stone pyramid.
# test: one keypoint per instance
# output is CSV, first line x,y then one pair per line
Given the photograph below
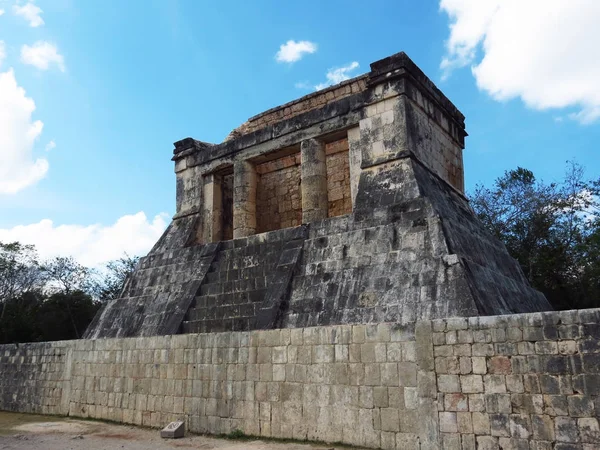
x,y
344,206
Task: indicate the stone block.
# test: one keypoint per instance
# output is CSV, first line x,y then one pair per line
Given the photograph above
x,y
390,420
407,374
500,425
499,365
476,402
449,383
448,422
482,349
407,441
580,405
482,336
520,426
542,427
479,365
450,441
565,429
481,423
396,398
527,403
380,397
589,430
387,440
498,403
456,402
494,384
487,443
173,430
556,405
411,399
514,383
468,442
471,384
546,347
513,444
389,374
410,421
465,424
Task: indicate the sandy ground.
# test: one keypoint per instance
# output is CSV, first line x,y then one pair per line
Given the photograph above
x,y
32,432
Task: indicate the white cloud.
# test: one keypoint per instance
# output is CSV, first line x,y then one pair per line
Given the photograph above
x,y
546,52
293,51
91,245
1,12
2,52
50,145
17,136
337,75
42,55
31,13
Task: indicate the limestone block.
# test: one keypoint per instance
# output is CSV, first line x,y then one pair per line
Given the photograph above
x,y
448,383
173,430
566,429
448,422
471,384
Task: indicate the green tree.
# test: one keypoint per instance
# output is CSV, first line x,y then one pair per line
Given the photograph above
x,y
113,278
64,315
20,272
551,229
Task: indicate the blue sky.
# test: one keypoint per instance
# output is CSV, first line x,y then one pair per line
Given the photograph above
x,y
115,83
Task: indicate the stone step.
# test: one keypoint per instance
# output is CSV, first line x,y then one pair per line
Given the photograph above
x,y
235,286
223,311
239,274
215,326
242,262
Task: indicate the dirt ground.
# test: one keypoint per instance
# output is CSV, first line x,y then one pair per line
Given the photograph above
x,y
33,432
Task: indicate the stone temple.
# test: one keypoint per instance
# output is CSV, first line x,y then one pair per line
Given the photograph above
x,y
345,206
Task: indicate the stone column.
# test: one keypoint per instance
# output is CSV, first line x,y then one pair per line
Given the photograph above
x,y
314,181
244,199
354,160
213,209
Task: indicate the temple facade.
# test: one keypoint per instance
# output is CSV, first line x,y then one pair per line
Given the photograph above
x,y
345,206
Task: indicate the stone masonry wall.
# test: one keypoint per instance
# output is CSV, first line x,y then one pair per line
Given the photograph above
x,y
35,378
307,103
279,197
526,381
353,384
338,178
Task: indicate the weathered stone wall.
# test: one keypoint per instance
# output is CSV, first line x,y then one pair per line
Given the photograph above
x,y
279,194
527,381
300,106
519,382
36,378
353,384
338,178
244,277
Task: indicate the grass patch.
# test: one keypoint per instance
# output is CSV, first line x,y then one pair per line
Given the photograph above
x,y
236,434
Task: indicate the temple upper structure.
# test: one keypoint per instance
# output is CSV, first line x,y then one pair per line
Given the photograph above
x,y
344,206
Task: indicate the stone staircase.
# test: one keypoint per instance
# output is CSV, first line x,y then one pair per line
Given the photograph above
x,y
247,283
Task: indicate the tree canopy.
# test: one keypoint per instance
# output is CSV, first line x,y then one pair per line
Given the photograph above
x,y
54,299
551,229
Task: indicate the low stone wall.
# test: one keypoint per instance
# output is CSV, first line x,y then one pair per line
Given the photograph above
x,y
528,381
523,381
